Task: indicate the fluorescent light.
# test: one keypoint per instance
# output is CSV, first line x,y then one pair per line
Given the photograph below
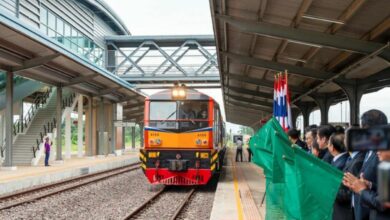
x,y
312,17
294,59
304,43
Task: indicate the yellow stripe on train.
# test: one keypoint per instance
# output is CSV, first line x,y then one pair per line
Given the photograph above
x,y
161,139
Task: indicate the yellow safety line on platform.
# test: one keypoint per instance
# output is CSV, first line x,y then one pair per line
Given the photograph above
x,y
236,193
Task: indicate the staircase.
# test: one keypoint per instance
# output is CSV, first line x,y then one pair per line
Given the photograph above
x,y
24,142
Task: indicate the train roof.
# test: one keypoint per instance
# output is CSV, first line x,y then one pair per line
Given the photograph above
x,y
192,94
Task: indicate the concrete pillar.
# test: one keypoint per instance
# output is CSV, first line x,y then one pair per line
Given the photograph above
x,y
324,105
58,119
68,133
1,129
88,124
80,130
21,116
355,95
306,108
101,124
113,129
9,91
141,135
133,137
124,137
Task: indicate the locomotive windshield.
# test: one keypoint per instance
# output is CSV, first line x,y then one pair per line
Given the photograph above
x,y
178,115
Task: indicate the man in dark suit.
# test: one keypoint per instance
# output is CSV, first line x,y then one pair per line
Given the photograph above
x,y
344,210
323,135
293,135
368,196
336,147
369,169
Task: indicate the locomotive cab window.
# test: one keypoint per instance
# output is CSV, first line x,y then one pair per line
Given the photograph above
x,y
179,115
163,115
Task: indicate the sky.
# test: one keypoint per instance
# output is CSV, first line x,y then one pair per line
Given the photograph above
x,y
192,17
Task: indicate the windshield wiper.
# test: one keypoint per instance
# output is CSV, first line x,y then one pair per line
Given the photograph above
x,y
169,116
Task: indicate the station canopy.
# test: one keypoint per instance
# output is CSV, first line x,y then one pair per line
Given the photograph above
x,y
31,54
326,46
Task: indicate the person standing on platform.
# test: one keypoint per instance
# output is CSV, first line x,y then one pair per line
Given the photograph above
x,y
323,135
310,137
47,152
239,149
249,151
293,135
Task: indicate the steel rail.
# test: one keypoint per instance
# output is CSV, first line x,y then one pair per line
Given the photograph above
x,y
49,187
143,206
183,204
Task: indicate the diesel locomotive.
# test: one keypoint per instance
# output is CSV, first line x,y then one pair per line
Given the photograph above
x,y
183,137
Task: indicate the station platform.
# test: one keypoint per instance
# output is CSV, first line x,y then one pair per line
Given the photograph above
x,y
29,176
240,191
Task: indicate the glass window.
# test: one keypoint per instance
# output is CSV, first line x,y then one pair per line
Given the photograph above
x,y
60,27
43,16
163,110
67,29
193,110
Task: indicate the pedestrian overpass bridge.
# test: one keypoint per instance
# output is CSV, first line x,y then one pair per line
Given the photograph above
x,y
328,60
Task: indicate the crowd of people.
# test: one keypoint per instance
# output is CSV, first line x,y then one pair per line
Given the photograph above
x,y
357,198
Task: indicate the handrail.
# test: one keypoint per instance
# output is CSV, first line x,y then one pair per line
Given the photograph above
x,y
51,124
38,102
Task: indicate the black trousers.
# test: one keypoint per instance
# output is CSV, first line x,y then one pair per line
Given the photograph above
x,y
239,152
249,155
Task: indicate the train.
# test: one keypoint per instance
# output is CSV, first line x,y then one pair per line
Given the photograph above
x,y
183,137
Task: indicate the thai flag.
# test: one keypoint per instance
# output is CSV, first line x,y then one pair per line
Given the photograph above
x,y
282,107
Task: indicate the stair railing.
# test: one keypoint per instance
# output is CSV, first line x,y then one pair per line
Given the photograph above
x,y
48,128
38,102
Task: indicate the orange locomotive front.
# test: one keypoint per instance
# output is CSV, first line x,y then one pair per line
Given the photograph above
x,y
183,138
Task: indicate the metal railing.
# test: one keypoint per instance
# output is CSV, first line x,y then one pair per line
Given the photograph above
x,y
50,125
38,103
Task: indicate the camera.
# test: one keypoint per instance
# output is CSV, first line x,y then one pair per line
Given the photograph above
x,y
365,139
378,139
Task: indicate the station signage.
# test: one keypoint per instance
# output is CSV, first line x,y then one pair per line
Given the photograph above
x,y
124,124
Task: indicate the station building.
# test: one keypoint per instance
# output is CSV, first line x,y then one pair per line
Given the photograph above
x,y
52,63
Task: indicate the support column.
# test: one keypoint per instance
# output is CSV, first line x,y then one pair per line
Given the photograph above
x,y
68,133
141,135
133,137
101,127
80,126
21,117
88,122
324,105
113,128
124,137
306,108
59,122
9,91
355,94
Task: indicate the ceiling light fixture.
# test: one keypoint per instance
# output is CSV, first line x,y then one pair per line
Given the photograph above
x,y
312,17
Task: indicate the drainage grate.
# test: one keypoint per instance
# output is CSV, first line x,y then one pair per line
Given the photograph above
x,y
84,170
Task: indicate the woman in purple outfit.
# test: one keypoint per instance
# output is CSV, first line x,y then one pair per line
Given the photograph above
x,y
47,151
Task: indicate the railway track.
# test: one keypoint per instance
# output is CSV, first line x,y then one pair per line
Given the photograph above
x,y
43,191
156,200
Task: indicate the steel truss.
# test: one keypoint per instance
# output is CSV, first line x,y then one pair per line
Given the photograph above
x,y
152,60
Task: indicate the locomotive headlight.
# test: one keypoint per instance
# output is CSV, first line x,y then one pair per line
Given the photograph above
x,y
182,93
158,141
175,92
179,92
198,142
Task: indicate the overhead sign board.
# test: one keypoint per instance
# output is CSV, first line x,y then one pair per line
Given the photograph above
x,y
124,124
